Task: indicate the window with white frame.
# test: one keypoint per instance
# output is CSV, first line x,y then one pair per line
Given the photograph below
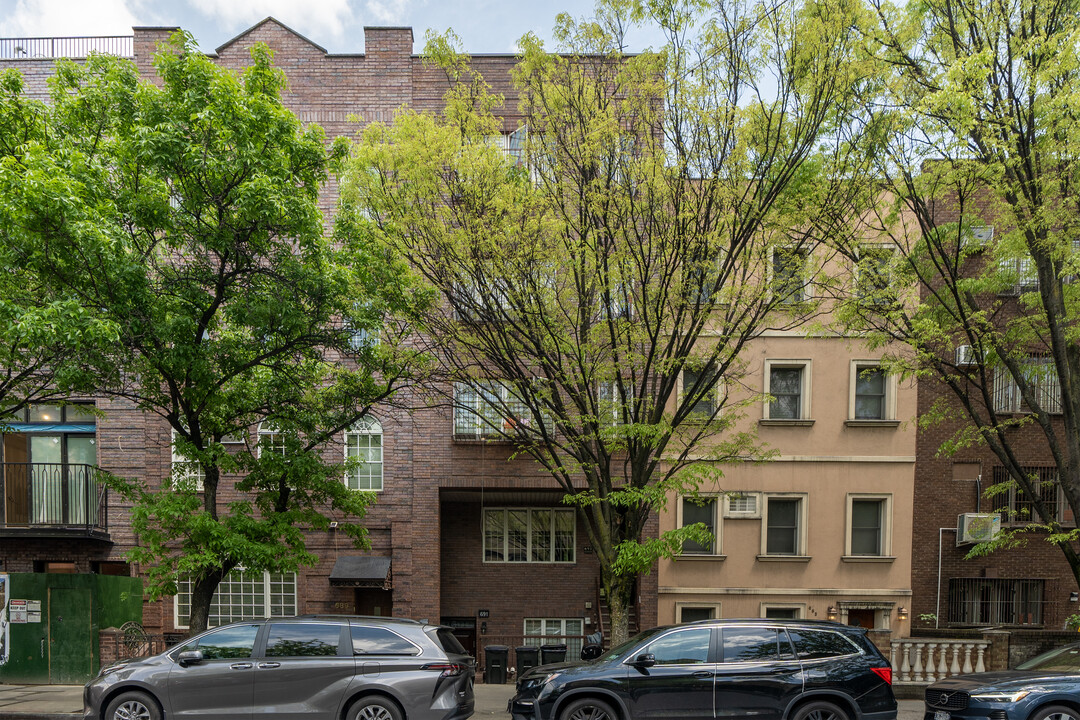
x,y
537,535
700,510
784,526
1040,375
871,391
610,404
705,404
790,267
869,519
787,387
364,452
873,274
544,631
241,595
185,473
489,409
271,439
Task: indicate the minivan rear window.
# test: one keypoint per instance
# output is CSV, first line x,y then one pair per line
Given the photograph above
x,y
815,644
380,641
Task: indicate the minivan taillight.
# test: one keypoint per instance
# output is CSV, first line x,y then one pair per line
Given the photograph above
x,y
884,673
446,669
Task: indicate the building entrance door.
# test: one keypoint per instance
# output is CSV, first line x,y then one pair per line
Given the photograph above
x,y
71,654
374,602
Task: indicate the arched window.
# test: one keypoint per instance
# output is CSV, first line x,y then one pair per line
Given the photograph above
x,y
270,438
363,446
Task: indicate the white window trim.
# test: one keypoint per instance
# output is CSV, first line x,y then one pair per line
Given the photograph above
x,y
800,609
886,526
890,247
718,528
681,605
741,514
801,553
717,396
806,388
180,622
182,470
365,427
889,409
266,429
529,537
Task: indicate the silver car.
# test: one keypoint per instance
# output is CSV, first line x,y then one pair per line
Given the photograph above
x,y
357,668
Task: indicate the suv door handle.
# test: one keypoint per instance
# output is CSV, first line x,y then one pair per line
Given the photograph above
x,y
240,666
703,674
269,664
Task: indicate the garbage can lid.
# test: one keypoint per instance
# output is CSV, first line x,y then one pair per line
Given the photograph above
x,y
554,646
496,648
527,648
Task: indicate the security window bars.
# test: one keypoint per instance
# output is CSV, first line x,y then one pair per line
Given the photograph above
x,y
996,601
242,595
538,535
1017,507
1040,375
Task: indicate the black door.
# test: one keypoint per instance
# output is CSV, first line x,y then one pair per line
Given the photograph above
x,y
759,674
680,684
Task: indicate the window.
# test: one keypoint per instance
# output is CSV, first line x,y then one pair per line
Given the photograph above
x,y
868,526
271,439
541,631
229,643
686,613
380,641
1040,375
610,404
817,644
872,392
530,535
704,400
241,595
782,612
789,270
995,601
787,388
700,510
303,640
755,644
682,647
489,409
1017,507
186,474
1021,273
363,448
873,274
740,504
784,522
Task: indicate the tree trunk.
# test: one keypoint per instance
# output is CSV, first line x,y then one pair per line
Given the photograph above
x,y
619,601
202,594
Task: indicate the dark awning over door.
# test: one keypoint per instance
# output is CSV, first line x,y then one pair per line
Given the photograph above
x,y
362,572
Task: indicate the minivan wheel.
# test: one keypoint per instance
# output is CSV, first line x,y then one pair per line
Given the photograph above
x,y
588,709
820,710
375,707
1056,712
132,706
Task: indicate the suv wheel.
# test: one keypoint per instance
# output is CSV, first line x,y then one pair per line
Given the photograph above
x,y
820,710
1055,712
133,706
588,709
375,707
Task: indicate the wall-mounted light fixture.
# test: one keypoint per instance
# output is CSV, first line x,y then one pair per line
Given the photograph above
x,y
901,613
483,628
832,612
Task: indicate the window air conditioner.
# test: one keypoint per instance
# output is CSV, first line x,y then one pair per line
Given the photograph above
x,y
974,528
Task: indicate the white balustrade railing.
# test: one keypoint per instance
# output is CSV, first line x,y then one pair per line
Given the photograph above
x,y
925,660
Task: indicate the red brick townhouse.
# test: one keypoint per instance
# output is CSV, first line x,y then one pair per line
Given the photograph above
x,y
451,505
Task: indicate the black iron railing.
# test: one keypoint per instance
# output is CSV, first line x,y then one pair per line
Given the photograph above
x,y
55,495
65,47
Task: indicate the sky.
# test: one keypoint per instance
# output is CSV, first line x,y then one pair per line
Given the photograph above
x,y
485,26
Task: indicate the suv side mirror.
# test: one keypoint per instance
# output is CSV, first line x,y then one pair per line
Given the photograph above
x,y
189,657
644,660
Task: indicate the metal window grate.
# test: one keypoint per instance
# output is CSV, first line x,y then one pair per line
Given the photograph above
x,y
1016,507
996,601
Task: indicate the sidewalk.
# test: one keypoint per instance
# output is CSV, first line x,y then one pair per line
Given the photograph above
x,y
64,702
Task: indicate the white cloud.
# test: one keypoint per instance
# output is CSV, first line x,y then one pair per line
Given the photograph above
x,y
386,12
312,18
55,18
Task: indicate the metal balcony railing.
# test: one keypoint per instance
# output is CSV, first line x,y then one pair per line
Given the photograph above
x,y
66,47
59,496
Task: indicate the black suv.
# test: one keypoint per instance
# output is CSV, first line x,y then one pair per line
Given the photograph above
x,y
764,669
353,668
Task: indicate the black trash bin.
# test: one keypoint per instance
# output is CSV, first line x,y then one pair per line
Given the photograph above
x,y
528,657
495,657
552,653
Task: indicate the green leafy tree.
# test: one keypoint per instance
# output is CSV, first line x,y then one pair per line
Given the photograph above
x,y
187,215
652,215
971,148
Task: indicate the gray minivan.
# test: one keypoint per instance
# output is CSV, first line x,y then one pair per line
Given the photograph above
x,y
359,668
